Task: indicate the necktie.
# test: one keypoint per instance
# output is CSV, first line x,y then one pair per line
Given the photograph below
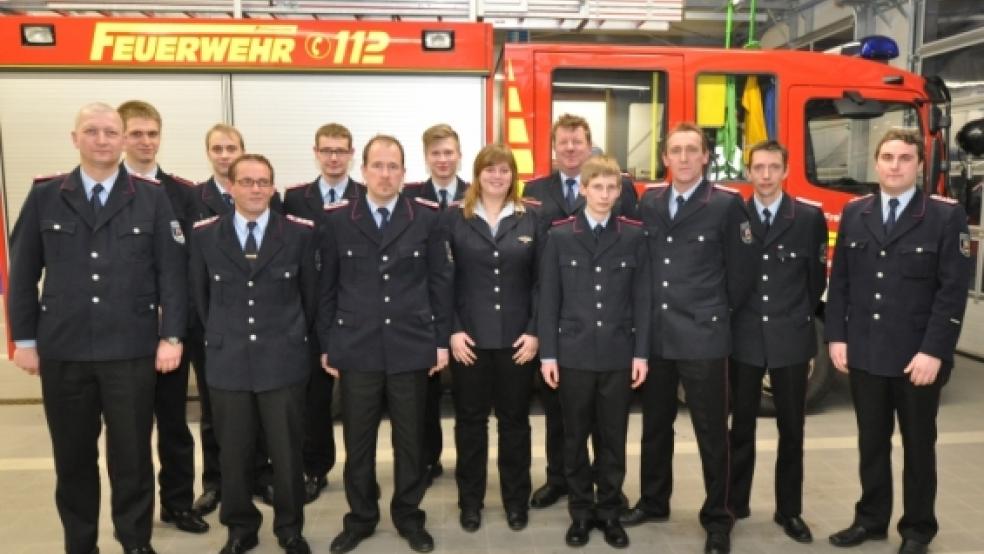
x,y
331,196
767,218
95,201
383,217
893,206
250,248
598,229
571,193
444,199
227,197
680,201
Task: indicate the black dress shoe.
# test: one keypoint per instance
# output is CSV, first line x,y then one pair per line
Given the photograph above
x,y
418,539
795,527
346,541
185,520
637,516
139,550
578,533
313,485
296,545
433,471
207,502
265,494
517,519
717,543
911,546
239,545
614,533
547,495
854,535
470,519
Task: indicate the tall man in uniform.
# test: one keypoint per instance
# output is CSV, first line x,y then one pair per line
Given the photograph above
x,y
701,243
898,289
442,154
559,198
223,145
333,153
254,279
775,331
175,445
384,322
112,253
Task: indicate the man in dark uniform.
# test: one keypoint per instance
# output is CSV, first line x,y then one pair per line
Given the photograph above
x,y
111,253
254,280
333,152
898,289
701,243
559,198
775,331
594,330
442,154
223,145
175,445
383,323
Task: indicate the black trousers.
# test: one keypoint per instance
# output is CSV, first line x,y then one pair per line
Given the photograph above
x,y
494,381
238,417
175,445
705,383
877,402
319,436
789,394
433,437
595,403
364,395
78,397
554,417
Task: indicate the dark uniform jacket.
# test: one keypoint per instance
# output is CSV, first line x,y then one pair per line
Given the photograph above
x,y
181,193
104,277
550,190
775,327
257,318
385,300
305,200
425,189
701,266
594,295
495,278
891,297
207,201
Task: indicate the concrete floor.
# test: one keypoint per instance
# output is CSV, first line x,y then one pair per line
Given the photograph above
x,y
29,522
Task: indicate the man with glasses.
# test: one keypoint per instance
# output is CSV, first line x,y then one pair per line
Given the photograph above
x,y
254,280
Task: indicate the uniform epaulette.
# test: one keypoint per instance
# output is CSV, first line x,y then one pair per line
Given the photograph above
x,y
454,204
415,184
856,198
300,220
557,222
297,186
45,178
943,199
150,180
656,185
629,221
531,201
181,180
206,221
340,204
811,202
726,189
429,203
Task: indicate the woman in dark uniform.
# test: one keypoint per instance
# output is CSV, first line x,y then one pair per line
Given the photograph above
x,y
494,238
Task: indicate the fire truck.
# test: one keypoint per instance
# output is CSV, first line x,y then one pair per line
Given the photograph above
x,y
278,80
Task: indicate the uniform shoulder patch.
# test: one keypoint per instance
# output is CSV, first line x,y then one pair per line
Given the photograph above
x,y
148,180
530,201
205,222
564,221
726,189
811,202
340,204
297,186
943,199
856,198
429,203
181,180
414,184
44,178
629,221
300,220
653,186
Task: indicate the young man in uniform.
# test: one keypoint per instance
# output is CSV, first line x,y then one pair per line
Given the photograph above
x,y
112,309
175,445
898,289
593,324
775,331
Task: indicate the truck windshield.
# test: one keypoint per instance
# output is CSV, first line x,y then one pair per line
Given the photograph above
x,y
840,144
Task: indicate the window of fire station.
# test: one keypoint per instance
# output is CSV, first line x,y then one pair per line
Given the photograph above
x,y
841,135
625,109
945,18
735,111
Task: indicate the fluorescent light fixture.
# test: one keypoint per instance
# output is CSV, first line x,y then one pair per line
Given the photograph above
x,y
37,35
601,86
438,40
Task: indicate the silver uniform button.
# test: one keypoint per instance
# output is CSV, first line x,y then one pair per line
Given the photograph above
x,y
252,337
792,254
252,321
95,299
597,269
498,307
218,278
496,288
664,306
765,277
666,261
249,284
598,305
386,299
765,298
714,318
386,276
880,275
877,296
385,258
919,249
876,317
765,257
597,287
250,302
598,323
94,255
136,230
623,264
496,271
496,253
416,253
152,305
700,238
286,275
573,262
95,276
387,321
348,253
666,283
669,239
883,253
56,227
765,318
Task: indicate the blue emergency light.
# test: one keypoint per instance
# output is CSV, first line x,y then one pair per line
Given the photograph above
x,y
878,47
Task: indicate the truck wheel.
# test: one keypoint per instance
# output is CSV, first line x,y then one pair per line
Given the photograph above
x,y
818,381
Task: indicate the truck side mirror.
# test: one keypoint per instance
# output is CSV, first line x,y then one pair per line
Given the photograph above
x,y
938,120
970,138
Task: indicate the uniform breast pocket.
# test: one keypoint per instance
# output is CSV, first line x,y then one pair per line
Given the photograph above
x,y
352,260
571,267
137,240
219,284
58,238
791,256
621,267
855,248
705,242
412,256
918,260
286,277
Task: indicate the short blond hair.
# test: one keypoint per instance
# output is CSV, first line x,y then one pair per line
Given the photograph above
x,y
225,130
440,132
600,165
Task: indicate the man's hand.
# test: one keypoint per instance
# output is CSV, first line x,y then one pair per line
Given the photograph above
x,y
923,369
168,356
551,374
328,369
640,368
442,362
838,355
461,344
27,359
526,347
